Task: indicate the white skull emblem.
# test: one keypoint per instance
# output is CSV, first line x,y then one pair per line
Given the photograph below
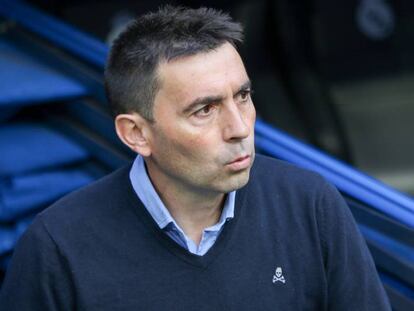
x,y
278,272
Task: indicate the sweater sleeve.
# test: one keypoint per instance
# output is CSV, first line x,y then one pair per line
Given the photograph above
x,y
37,278
353,282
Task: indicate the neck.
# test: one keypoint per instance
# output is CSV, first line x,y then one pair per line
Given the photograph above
x,y
193,214
192,210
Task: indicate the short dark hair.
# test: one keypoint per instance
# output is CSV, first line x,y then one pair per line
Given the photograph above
x,y
130,74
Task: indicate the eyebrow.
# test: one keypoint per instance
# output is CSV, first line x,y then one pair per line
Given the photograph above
x,y
246,86
202,101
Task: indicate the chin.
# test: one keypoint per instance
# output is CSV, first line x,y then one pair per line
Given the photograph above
x,y
236,182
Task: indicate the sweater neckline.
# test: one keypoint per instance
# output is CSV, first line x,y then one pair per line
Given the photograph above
x,y
195,260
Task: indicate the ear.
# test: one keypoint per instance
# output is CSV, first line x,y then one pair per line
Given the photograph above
x,y
133,130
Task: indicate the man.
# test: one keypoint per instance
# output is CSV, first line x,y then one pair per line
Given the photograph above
x,y
198,222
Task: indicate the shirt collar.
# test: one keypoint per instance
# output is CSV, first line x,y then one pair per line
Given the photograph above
x,y
149,197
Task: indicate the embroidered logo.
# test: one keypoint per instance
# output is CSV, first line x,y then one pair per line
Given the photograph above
x,y
278,277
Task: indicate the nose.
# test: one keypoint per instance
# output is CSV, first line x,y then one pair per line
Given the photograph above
x,y
236,123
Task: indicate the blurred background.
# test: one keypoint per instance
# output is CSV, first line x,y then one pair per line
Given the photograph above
x,y
333,85
336,74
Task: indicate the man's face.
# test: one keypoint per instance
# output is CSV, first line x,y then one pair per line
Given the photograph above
x,y
203,136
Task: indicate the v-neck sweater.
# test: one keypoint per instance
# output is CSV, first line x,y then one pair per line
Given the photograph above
x,y
292,245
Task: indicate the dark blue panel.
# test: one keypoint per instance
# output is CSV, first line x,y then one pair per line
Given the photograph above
x,y
22,194
396,284
403,251
9,234
31,146
27,80
61,34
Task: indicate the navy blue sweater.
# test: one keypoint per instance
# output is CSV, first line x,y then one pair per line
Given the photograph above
x,y
292,245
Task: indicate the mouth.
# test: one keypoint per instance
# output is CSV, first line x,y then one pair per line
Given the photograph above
x,y
239,163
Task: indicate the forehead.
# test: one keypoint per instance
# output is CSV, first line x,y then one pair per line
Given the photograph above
x,y
203,74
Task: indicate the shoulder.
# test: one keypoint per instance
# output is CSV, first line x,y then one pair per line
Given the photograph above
x,y
89,205
271,172
98,190
292,190
94,193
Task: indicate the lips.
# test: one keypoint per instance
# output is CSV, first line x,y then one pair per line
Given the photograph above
x,y
239,163
240,159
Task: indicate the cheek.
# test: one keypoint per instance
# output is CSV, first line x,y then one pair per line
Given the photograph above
x,y
192,137
195,146
203,142
185,143
252,116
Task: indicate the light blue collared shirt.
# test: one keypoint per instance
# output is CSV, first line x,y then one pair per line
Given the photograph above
x,y
152,202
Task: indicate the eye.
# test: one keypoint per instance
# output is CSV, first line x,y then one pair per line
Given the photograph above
x,y
244,96
205,111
